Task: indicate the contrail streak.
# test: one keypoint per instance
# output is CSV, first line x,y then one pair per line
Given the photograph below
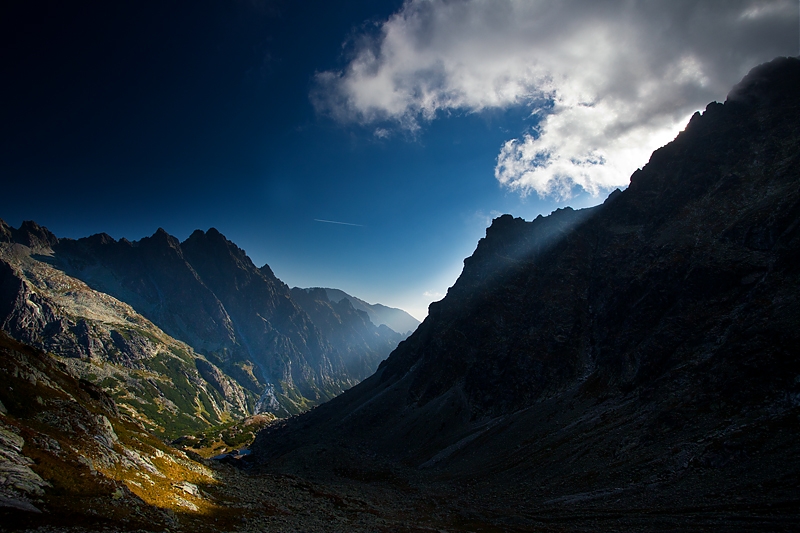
x,y
334,222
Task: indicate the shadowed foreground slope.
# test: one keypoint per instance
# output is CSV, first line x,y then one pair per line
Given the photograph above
x,y
635,364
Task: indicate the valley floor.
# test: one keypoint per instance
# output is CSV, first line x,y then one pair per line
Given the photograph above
x,y
402,501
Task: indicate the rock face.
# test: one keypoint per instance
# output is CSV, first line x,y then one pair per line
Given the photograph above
x,y
643,352
261,352
393,318
29,234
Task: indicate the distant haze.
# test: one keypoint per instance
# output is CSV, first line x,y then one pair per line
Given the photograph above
x,y
396,319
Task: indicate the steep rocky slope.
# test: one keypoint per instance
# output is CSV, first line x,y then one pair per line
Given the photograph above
x,y
208,293
292,354
634,364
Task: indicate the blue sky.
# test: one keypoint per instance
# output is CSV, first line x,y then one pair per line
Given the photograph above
x,y
416,123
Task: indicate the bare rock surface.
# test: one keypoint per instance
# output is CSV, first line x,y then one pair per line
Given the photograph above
x,y
18,483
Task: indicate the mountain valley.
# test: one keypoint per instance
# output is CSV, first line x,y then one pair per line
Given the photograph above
x,y
633,366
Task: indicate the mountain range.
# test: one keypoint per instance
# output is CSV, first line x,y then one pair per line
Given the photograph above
x,y
185,334
633,366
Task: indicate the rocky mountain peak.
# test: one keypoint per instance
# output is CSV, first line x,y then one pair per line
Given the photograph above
x,y
214,233
267,271
100,239
32,234
29,234
771,83
222,263
504,225
213,243
162,237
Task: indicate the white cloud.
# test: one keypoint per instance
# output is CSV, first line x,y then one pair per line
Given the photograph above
x,y
433,295
611,80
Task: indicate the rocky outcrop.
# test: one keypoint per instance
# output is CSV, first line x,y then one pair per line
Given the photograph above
x,y
18,483
638,355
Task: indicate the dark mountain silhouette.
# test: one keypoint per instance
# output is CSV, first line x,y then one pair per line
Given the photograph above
x,y
635,363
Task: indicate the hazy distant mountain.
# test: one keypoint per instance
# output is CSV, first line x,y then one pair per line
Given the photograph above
x,y
638,358
362,344
396,319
